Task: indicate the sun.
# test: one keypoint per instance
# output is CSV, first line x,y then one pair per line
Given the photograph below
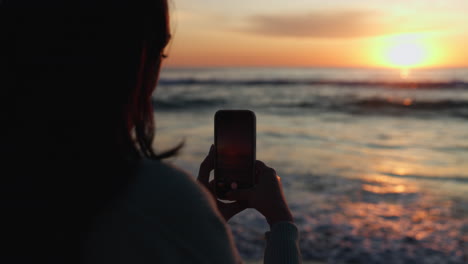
x,y
404,51
406,54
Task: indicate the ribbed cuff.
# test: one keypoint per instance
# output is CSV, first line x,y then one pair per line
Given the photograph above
x,y
282,244
283,230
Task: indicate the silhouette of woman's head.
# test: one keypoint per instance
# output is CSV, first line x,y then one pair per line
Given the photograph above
x,y
76,80
82,72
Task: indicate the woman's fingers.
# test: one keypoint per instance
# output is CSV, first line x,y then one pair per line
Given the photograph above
x,y
226,209
263,171
259,165
211,187
240,195
206,167
231,209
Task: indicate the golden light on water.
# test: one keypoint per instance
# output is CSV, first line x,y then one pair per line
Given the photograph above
x,y
400,188
407,101
384,184
404,74
401,170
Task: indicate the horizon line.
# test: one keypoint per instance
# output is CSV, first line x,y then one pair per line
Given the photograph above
x,y
315,67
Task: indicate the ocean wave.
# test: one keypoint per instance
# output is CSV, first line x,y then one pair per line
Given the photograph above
x,y
362,106
185,103
458,179
458,108
411,104
318,82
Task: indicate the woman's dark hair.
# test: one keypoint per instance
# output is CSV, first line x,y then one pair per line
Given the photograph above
x,y
76,113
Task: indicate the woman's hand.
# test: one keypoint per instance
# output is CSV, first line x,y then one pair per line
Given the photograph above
x,y
228,210
267,196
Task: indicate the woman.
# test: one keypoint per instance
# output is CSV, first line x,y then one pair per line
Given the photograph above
x,y
82,182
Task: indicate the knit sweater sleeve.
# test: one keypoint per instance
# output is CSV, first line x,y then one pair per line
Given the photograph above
x,y
167,217
207,238
282,244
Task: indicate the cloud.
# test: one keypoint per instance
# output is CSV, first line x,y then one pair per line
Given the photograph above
x,y
324,24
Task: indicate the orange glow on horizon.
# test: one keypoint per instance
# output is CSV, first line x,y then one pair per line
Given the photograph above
x,y
404,51
401,35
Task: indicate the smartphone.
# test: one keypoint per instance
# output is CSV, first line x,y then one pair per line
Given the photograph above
x,y
235,147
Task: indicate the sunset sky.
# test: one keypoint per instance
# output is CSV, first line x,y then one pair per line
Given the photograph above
x,y
343,33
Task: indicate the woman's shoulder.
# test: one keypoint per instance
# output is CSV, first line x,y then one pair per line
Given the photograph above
x,y
158,180
157,170
185,211
164,211
161,187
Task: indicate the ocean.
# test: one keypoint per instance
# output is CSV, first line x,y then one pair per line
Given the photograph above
x,y
374,162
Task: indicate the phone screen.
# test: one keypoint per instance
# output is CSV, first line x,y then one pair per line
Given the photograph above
x,y
235,150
